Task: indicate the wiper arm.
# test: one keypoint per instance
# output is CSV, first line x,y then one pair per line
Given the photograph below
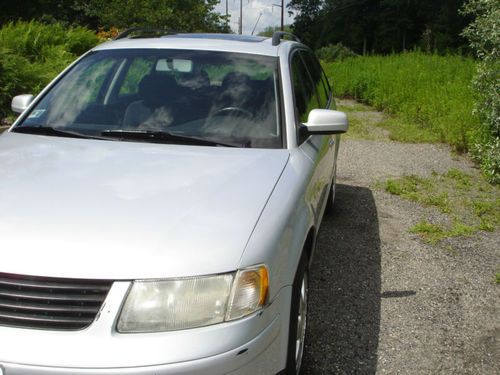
x,y
164,136
48,130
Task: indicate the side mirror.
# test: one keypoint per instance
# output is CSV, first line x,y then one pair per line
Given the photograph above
x,y
326,121
21,102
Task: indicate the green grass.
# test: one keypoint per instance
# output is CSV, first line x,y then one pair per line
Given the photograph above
x,y
468,203
430,94
358,129
364,122
403,130
355,107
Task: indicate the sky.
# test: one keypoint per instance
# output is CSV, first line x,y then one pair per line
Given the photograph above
x,y
271,16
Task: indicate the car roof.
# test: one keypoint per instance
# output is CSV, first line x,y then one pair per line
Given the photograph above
x,y
207,42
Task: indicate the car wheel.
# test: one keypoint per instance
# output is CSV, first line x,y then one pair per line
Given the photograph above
x,y
298,319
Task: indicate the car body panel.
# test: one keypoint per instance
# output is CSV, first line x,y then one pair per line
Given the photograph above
x,y
128,210
98,349
203,44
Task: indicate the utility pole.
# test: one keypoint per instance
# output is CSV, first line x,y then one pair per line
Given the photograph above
x,y
282,15
240,31
227,15
282,6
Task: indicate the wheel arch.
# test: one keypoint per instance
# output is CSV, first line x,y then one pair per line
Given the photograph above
x,y
309,244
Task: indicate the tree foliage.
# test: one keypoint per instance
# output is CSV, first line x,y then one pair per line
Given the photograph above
x,y
33,53
381,26
66,12
180,15
484,37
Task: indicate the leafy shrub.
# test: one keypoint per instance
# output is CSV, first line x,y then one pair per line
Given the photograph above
x,y
32,54
484,37
486,151
334,52
28,38
80,40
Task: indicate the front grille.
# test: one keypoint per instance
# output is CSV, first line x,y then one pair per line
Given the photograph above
x,y
50,303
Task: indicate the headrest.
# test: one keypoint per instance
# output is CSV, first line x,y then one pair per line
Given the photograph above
x,y
236,79
158,89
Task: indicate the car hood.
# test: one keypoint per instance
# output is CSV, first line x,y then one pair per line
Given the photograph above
x,y
126,210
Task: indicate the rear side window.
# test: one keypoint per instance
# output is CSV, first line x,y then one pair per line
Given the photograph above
x,y
303,88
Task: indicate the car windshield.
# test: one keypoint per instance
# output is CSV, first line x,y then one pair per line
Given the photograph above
x,y
227,98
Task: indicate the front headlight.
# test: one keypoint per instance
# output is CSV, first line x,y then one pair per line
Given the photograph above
x,y
167,305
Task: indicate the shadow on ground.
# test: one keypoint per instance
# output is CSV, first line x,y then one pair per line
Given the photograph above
x,y
344,304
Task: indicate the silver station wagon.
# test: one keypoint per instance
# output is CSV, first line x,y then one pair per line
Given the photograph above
x,y
159,206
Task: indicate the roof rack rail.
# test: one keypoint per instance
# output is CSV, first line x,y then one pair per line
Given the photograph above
x,y
143,30
277,36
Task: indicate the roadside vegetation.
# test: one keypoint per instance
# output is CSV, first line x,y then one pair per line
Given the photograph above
x,y
466,204
437,97
430,94
32,54
484,37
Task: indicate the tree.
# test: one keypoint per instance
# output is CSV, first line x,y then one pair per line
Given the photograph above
x,y
179,15
381,26
484,36
48,11
305,23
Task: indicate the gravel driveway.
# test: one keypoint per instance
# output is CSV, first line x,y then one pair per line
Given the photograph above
x,y
383,301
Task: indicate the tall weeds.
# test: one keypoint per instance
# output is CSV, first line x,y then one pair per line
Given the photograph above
x,y
432,94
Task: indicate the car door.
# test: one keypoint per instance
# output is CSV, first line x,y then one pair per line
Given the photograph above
x,y
319,148
325,98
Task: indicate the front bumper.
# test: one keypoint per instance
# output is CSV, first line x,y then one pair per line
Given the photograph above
x,y
253,345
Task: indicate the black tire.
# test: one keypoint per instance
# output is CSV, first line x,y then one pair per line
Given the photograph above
x,y
330,202
300,285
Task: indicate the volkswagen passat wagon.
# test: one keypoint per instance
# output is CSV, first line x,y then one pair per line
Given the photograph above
x,y
159,206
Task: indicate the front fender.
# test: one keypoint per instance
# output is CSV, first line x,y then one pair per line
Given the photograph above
x,y
281,231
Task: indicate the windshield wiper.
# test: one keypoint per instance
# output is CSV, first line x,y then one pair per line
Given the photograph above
x,y
48,130
163,136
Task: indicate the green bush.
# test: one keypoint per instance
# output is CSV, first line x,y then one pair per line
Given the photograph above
x,y
32,54
334,52
80,40
484,37
431,94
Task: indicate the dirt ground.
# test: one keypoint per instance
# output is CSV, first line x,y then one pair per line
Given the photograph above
x,y
382,301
